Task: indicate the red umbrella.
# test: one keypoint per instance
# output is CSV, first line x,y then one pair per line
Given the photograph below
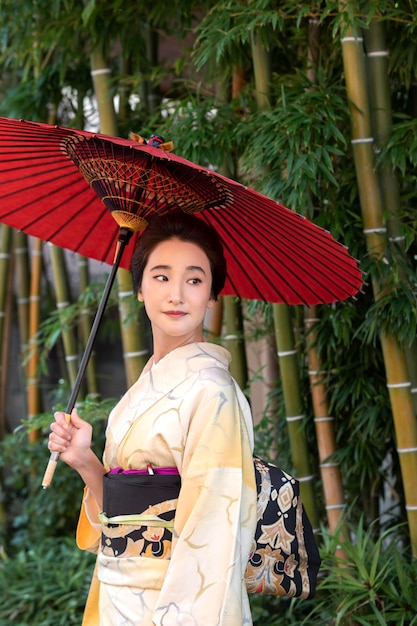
x,y
90,193
75,188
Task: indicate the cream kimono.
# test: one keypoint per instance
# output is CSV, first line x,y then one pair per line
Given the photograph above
x,y
186,412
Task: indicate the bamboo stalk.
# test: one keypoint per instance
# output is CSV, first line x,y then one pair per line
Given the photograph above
x,y
62,295
381,117
21,264
294,407
135,351
234,339
334,497
33,389
5,323
333,492
261,69
5,251
284,337
6,344
123,91
85,327
135,348
100,73
213,321
153,96
375,230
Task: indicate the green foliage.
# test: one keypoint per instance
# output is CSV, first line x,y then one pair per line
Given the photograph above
x,y
45,584
44,578
297,145
395,312
202,129
297,151
373,583
403,134
31,512
40,52
60,320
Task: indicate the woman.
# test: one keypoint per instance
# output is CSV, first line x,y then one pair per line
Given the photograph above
x,y
185,412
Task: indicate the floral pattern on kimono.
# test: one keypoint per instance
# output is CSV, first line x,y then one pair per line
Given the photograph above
x,y
186,412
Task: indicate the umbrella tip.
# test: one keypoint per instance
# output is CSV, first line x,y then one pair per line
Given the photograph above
x,y
156,141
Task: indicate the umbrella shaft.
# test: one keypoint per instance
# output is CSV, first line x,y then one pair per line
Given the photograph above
x,y
94,329
124,236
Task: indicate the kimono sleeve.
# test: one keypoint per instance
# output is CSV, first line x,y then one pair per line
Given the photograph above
x,y
215,519
88,528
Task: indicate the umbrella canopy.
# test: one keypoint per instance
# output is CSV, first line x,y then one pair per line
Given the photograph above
x,y
78,190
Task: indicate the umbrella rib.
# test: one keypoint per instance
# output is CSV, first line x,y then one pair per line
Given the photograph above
x,y
254,285
345,263
63,184
260,254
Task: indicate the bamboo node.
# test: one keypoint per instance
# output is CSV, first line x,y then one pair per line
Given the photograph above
x,y
287,353
362,140
399,385
295,418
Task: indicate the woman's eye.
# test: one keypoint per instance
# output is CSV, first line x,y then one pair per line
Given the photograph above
x,y
195,281
161,277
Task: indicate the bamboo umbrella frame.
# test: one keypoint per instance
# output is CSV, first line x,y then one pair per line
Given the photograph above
x,y
398,382
381,115
284,336
135,351
5,256
62,295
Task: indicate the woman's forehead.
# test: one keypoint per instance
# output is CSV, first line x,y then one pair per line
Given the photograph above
x,y
173,251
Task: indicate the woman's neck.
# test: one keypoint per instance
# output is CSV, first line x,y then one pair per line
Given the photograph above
x,y
161,349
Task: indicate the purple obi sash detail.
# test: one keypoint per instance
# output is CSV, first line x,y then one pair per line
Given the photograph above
x,y
167,471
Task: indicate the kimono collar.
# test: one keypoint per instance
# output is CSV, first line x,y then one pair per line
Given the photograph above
x,y
198,355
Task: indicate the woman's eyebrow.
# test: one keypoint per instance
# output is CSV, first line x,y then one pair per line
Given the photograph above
x,y
160,267
189,268
195,268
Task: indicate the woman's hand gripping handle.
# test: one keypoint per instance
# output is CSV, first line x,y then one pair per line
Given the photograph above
x,y
53,460
70,439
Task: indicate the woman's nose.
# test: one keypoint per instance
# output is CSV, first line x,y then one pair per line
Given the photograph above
x,y
176,295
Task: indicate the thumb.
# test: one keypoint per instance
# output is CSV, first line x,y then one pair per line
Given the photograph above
x,y
76,420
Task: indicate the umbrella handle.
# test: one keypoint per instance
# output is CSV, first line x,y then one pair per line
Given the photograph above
x,y
52,463
124,237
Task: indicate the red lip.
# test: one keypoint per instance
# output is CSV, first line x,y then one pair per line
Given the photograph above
x,y
175,313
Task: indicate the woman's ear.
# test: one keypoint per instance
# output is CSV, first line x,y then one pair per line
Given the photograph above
x,y
211,303
140,296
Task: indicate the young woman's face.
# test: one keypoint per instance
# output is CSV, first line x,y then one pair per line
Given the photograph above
x,y
176,291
